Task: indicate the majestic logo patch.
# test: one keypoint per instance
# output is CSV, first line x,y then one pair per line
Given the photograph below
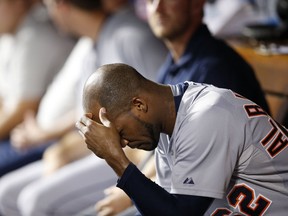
x,y
188,180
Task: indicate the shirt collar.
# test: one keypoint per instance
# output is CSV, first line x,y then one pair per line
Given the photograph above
x,y
178,92
193,45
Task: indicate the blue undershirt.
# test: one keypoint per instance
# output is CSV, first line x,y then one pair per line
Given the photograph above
x,y
211,61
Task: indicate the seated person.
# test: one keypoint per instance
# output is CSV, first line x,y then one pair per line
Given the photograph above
x,y
195,55
32,52
216,152
118,35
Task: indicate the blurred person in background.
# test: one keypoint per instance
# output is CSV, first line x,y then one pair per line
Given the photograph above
x,y
118,35
55,116
31,53
195,54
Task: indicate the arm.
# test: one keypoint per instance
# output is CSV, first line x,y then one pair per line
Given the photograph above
x,y
62,126
30,133
66,150
12,117
116,200
158,201
104,140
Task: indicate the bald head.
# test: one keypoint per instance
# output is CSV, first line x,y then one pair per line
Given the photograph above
x,y
88,5
92,5
112,86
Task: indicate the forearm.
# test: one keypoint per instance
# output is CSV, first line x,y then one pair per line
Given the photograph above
x,y
140,189
120,165
151,199
59,128
70,147
66,150
10,118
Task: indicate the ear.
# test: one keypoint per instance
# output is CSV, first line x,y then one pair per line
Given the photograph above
x,y
139,104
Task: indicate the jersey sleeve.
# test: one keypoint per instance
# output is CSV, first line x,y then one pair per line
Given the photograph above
x,y
208,144
151,199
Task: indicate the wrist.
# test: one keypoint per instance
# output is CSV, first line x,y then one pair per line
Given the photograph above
x,y
125,177
119,166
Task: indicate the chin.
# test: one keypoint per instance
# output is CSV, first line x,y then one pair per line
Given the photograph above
x,y
159,31
160,34
147,147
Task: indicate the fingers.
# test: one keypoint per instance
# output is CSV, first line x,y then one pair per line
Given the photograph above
x,y
108,191
85,120
115,201
86,125
18,138
102,207
82,124
100,136
105,212
16,141
99,205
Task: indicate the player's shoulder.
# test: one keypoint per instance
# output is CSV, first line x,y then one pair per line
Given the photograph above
x,y
203,98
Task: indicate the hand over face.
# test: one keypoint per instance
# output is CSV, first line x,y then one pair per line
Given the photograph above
x,y
104,140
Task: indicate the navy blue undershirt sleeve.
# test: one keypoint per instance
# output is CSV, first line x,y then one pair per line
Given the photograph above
x,y
151,199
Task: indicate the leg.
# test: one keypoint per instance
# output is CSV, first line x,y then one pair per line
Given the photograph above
x,y
11,159
129,212
90,211
11,185
70,190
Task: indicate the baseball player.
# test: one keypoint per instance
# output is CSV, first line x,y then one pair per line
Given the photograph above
x,y
218,152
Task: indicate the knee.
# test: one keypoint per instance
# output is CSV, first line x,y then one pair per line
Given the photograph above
x,y
29,202
8,195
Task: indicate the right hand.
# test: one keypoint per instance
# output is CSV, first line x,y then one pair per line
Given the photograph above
x,y
104,140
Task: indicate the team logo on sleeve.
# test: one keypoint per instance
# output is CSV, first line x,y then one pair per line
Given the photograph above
x,y
188,180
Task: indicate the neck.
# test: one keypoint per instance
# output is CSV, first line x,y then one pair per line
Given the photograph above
x,y
168,117
91,24
178,44
22,14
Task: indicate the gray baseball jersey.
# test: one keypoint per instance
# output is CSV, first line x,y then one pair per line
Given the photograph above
x,y
226,147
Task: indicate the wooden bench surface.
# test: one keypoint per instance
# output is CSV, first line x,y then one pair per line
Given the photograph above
x,y
272,73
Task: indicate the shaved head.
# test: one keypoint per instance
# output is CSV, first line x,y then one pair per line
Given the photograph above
x,y
88,5
112,86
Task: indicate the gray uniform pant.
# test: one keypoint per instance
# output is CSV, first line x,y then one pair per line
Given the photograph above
x,y
72,189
